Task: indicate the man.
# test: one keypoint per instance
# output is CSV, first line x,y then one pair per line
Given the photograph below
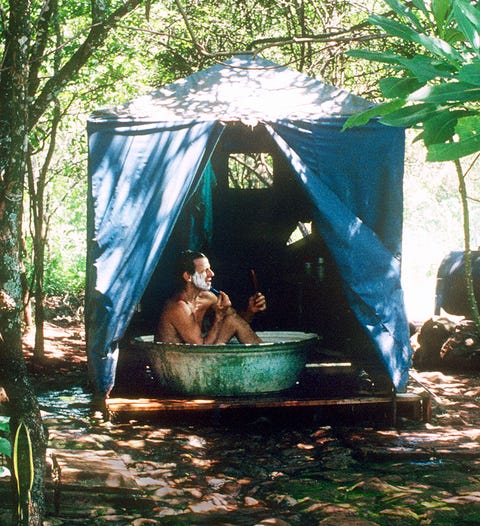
x,y
183,319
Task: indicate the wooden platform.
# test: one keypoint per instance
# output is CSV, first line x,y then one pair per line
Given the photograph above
x,y
408,405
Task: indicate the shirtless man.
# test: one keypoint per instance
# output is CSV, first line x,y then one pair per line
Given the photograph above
x,y
183,316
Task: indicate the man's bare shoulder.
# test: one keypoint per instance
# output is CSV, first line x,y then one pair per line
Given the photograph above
x,y
175,307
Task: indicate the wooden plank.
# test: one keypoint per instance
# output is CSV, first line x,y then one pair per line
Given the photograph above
x,y
148,405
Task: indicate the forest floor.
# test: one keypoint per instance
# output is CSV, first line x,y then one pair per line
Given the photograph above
x,y
259,471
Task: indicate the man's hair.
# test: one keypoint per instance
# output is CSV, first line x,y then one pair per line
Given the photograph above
x,y
185,263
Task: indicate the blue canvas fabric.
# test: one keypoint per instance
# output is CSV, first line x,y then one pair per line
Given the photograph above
x,y
140,179
357,211
143,171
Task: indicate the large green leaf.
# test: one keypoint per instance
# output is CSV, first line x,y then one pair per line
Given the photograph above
x,y
468,131
469,126
5,447
450,92
435,45
426,68
441,10
409,115
359,119
470,73
404,10
453,150
439,47
376,56
394,28
394,87
453,34
440,128
468,19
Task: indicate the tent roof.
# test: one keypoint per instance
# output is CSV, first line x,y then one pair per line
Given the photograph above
x,y
244,88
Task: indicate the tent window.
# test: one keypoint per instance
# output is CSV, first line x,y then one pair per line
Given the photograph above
x,y
250,171
302,231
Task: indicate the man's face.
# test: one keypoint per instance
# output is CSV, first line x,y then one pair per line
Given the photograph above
x,y
202,278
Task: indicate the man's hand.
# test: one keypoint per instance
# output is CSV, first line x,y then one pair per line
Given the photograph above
x,y
256,303
222,306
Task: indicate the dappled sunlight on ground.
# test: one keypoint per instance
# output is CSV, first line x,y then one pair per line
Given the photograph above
x,y
204,473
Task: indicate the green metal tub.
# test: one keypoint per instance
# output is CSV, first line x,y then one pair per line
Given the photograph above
x,y
231,369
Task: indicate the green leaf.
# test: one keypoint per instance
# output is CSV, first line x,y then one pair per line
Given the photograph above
x,y
469,126
446,92
420,4
5,423
468,19
435,45
452,35
452,151
470,73
394,87
440,48
427,68
376,56
409,115
441,10
394,28
23,467
359,119
403,10
5,447
468,131
440,128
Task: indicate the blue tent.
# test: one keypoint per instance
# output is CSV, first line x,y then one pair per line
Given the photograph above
x,y
158,183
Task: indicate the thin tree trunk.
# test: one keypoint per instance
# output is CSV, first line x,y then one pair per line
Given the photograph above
x,y
468,254
27,310
39,350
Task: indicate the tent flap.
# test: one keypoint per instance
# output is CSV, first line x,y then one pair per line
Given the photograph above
x,y
139,184
360,227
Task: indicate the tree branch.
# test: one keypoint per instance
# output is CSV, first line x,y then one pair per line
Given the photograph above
x,y
39,45
96,37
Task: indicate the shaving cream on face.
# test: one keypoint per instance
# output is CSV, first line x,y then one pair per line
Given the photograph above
x,y
200,281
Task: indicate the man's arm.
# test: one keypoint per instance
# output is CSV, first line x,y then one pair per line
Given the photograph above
x,y
179,320
222,308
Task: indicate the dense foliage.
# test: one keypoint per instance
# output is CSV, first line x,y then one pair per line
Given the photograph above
x,y
435,89
145,52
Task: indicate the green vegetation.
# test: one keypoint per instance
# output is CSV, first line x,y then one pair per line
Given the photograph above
x,y
5,446
62,60
435,89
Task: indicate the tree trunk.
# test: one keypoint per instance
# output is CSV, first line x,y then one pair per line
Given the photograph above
x,y
23,407
25,96
14,134
39,350
468,254
27,309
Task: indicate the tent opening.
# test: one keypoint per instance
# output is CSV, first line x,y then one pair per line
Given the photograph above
x,y
250,212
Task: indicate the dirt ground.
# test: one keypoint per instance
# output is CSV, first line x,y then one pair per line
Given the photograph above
x,y
414,473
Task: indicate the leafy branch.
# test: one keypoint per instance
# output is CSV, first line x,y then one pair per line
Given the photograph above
x,y
437,90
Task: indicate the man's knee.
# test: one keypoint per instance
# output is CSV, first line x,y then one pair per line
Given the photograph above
x,y
232,320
